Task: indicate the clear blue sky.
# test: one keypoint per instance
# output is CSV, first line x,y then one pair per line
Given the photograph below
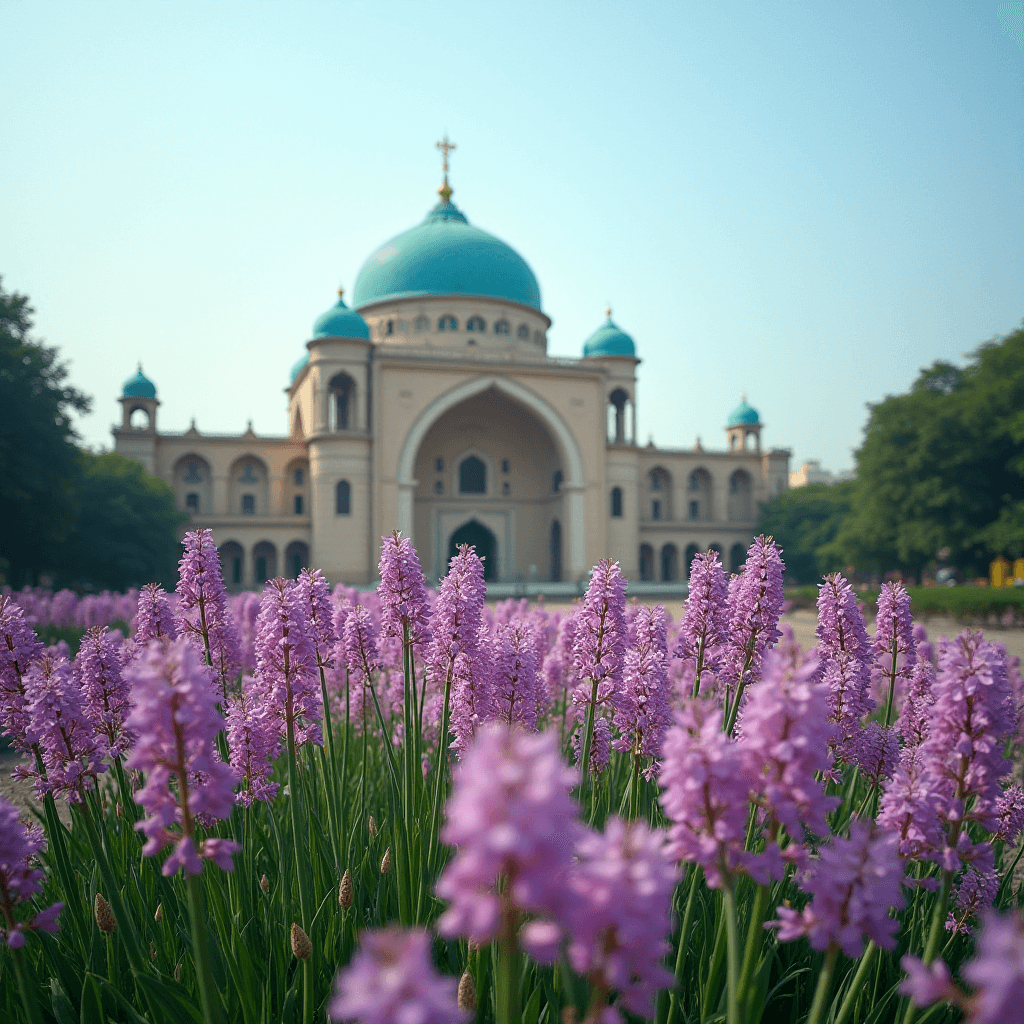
x,y
806,201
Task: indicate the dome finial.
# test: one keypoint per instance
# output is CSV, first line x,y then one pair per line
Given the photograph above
x,y
341,291
445,191
608,311
743,396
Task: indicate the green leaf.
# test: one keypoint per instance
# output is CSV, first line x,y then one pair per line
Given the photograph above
x,y
92,1002
174,1001
62,1008
532,1011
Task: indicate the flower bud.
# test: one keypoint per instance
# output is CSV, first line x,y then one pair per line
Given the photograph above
x,y
159,915
473,945
265,883
372,826
152,951
177,971
105,920
385,864
467,992
119,809
301,946
346,892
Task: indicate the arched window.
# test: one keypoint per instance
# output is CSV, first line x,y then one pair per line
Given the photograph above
x,y
617,416
741,505
264,560
296,558
192,474
688,557
138,418
501,327
660,484
421,323
616,502
669,564
231,556
700,495
390,329
646,563
248,504
192,502
472,476
342,498
476,323
447,323
556,483
737,556
523,332
341,392
556,551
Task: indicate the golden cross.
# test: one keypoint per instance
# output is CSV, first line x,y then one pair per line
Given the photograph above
x,y
446,147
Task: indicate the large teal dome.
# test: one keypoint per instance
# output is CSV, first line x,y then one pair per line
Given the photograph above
x,y
609,340
445,255
340,322
139,386
743,413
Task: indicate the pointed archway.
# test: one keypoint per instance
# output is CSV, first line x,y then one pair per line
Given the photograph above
x,y
483,540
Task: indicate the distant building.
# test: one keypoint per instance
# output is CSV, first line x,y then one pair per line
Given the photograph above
x,y
812,473
432,407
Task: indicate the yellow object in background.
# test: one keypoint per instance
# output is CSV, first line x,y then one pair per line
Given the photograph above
x,y
999,572
1018,570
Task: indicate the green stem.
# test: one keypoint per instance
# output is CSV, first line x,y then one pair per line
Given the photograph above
x,y
28,994
755,940
892,678
850,999
675,1004
824,985
732,957
588,739
938,927
299,846
208,994
442,750
507,981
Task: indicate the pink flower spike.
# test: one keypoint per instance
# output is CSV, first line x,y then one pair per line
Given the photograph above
x,y
403,591
926,985
997,970
19,879
19,648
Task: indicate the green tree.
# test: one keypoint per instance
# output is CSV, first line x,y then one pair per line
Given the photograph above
x,y
804,521
40,462
127,528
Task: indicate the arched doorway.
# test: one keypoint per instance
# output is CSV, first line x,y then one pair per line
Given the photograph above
x,y
483,540
556,551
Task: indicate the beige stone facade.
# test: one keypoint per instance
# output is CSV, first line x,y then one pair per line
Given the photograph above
x,y
451,423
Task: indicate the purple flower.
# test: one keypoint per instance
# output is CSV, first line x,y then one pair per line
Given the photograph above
x,y
403,591
19,880
286,673
974,893
845,653
622,884
510,814
915,715
203,611
557,672
360,642
105,690
316,600
254,741
706,789
598,654
176,719
19,647
514,682
997,970
876,753
391,980
895,646
68,744
1010,810
854,885
154,619
909,807
643,715
705,625
926,985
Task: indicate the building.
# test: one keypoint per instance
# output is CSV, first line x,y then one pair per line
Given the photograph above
x,y
432,407
812,473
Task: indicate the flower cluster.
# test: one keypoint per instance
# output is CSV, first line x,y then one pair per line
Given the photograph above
x,y
705,623
105,690
19,880
19,647
642,715
403,591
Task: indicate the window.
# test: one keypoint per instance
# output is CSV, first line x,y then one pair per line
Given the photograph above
x,y
472,476
390,328
471,341
617,502
505,466
506,488
655,482
695,510
655,509
249,475
556,483
192,501
341,402
695,480
501,327
342,498
193,476
236,569
261,568
298,504
447,323
734,485
538,337
523,332
421,323
298,477
439,487
439,465
248,504
476,323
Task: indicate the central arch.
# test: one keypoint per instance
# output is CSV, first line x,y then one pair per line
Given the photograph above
x,y
573,481
483,540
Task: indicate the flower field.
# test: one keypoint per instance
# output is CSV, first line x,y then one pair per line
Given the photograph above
x,y
411,808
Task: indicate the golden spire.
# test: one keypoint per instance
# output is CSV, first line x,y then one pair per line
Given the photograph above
x,y
608,311
445,191
341,291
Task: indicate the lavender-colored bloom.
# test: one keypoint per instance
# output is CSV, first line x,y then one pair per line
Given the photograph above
x,y
926,984
855,883
784,744
154,619
360,641
974,893
1010,810
203,611
598,654
106,692
997,970
558,673
513,683
642,716
876,753
510,814
19,647
254,741
176,719
67,741
403,591
755,603
315,596
914,719
391,980
895,646
845,653
909,807
705,626
286,673
706,792
19,880
622,884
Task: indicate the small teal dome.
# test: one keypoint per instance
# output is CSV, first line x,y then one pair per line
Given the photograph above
x,y
445,255
139,386
609,340
339,322
298,367
743,413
